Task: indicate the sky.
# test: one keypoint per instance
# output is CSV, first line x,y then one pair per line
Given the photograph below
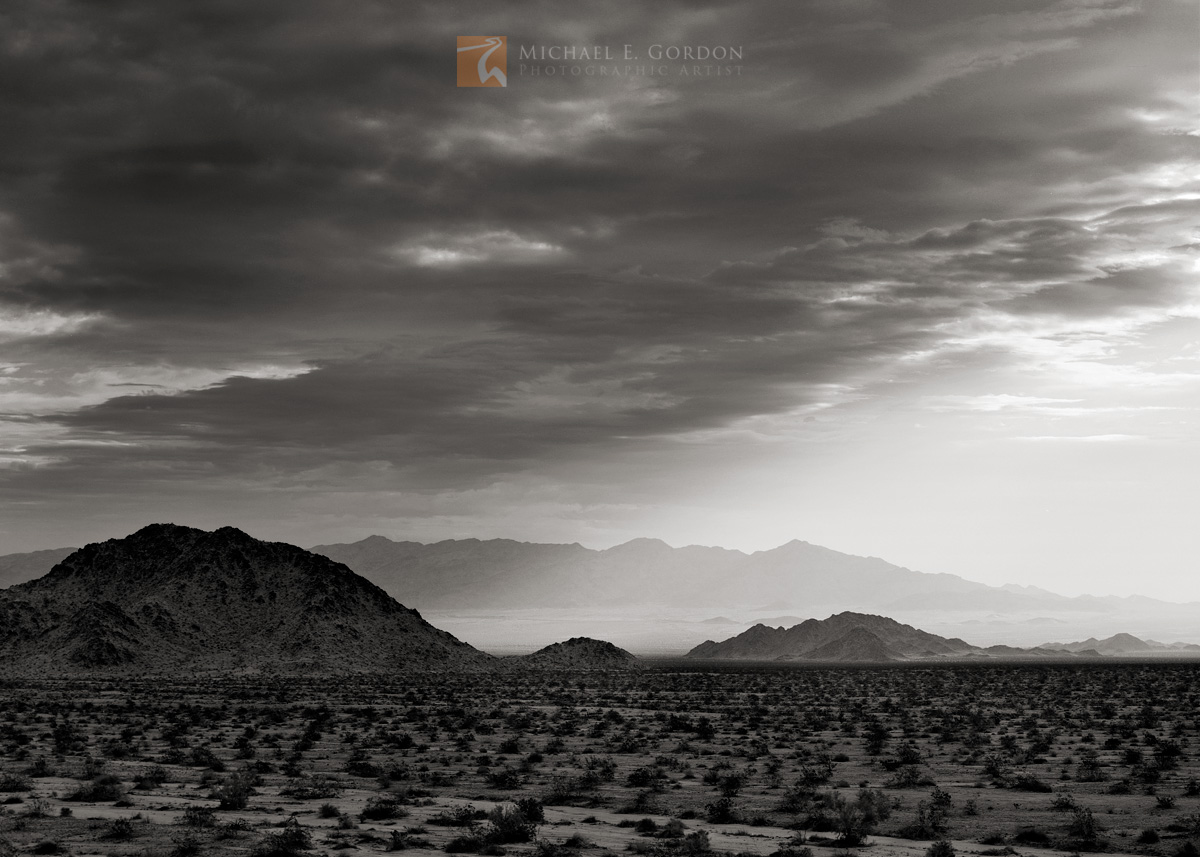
x,y
912,279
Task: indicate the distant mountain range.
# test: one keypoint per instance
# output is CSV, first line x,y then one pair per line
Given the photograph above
x,y
501,573
170,597
22,567
649,596
861,638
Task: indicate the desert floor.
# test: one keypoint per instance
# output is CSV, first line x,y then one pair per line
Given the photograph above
x,y
678,758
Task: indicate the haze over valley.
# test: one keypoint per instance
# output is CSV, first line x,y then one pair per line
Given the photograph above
x,y
509,597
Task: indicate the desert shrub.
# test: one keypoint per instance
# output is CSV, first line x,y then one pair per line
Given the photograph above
x,y
1089,769
198,816
1031,836
40,768
105,787
722,811
233,828
1084,827
48,846
532,809
202,757
506,778
1148,837
457,816
381,808
359,765
10,782
289,841
565,790
119,829
327,810
466,844
151,778
931,818
940,848
235,792
1026,782
1063,803
645,776
187,846
908,777
311,788
38,808
509,824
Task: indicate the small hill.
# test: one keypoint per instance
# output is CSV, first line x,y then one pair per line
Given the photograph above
x,y
845,637
170,597
578,653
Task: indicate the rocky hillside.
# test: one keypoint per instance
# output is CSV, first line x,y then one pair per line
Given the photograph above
x,y
578,653
170,597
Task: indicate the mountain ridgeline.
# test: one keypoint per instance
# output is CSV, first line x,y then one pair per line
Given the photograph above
x,y
474,574
172,597
845,637
470,574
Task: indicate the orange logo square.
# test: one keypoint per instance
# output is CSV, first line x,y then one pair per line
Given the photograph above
x,y
483,61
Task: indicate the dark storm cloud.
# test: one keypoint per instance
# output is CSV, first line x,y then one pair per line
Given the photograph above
x,y
289,210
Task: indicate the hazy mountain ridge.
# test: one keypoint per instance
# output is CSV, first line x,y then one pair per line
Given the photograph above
x,y
474,574
170,596
492,573
17,568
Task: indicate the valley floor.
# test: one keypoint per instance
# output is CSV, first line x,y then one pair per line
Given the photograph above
x,y
675,759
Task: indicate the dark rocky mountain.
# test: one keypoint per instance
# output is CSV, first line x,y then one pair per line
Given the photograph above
x,y
845,637
578,653
170,597
23,567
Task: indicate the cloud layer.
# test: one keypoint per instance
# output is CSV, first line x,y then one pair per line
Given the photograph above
x,y
266,260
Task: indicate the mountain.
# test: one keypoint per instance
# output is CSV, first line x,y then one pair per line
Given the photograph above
x,y
474,574
22,567
470,574
501,573
845,637
1121,644
170,597
578,653
650,597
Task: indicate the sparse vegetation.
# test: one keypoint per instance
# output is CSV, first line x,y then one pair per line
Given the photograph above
x,y
671,760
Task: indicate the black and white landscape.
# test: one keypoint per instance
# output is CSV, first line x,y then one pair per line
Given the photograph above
x,y
560,429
